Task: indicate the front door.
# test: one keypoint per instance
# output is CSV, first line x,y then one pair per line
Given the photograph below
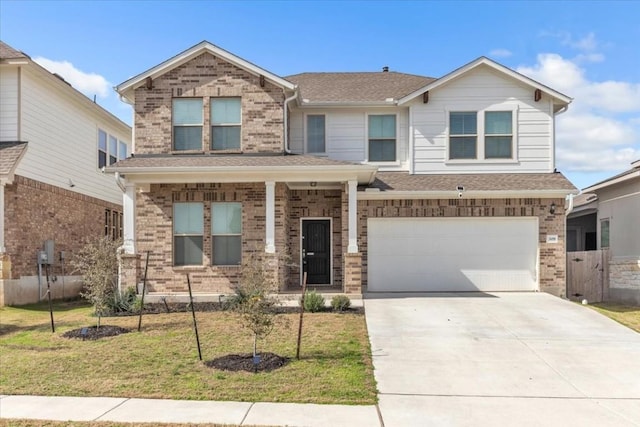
x,y
316,250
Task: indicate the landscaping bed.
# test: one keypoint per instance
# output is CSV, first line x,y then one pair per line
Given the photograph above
x,y
162,360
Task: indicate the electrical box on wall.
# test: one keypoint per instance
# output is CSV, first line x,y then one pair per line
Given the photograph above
x,y
49,250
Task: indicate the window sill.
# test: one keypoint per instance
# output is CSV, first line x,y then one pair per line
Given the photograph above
x,y
189,152
390,164
481,161
186,268
214,152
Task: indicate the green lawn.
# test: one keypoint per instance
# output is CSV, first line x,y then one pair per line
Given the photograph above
x,y
626,314
162,360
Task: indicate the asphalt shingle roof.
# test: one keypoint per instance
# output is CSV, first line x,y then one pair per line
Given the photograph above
x,y
10,153
213,161
403,181
7,52
357,87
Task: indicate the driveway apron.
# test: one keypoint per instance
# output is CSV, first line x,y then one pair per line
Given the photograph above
x,y
501,359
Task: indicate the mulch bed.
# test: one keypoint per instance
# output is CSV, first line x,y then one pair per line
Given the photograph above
x,y
95,333
244,362
173,307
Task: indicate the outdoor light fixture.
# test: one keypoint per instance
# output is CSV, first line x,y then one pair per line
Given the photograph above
x,y
552,208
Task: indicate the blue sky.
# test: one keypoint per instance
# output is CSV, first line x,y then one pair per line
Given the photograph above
x,y
588,50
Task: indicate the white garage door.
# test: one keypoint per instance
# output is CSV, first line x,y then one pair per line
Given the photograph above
x,y
452,254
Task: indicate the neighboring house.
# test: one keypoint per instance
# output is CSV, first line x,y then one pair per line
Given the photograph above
x,y
383,180
53,143
607,216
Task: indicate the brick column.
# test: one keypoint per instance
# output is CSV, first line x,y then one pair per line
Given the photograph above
x,y
352,273
274,271
129,271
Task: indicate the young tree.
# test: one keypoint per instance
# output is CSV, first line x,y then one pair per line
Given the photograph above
x,y
253,300
97,261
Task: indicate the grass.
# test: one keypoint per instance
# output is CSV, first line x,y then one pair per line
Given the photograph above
x,y
162,360
626,314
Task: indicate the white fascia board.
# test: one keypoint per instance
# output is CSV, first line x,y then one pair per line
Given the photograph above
x,y
181,58
394,195
337,104
234,174
498,67
618,180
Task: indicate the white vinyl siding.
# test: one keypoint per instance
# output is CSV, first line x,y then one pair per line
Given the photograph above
x,y
483,90
62,133
347,136
9,104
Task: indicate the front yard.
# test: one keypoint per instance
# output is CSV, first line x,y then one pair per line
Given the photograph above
x,y
162,360
626,314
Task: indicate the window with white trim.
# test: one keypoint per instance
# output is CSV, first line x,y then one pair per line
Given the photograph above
x,y
498,135
188,233
226,233
226,123
382,138
463,135
316,139
187,117
110,149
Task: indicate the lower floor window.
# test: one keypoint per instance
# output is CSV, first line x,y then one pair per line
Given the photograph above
x,y
226,233
188,232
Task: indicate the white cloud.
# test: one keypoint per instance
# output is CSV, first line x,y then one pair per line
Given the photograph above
x,y
88,83
600,131
500,53
586,44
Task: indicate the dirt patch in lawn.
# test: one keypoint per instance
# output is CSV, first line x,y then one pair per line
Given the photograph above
x,y
244,362
95,333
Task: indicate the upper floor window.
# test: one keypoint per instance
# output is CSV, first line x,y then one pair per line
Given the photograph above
x,y
187,124
498,135
110,150
188,233
463,135
226,233
226,123
316,133
382,138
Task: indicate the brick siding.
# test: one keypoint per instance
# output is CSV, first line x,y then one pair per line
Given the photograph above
x,y
552,255
35,212
204,77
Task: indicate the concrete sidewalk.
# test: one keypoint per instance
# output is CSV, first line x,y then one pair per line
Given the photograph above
x,y
185,411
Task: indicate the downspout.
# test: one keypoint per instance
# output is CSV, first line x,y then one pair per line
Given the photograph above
x,y
285,120
119,182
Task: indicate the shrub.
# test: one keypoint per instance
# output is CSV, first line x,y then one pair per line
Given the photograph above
x,y
340,303
127,302
313,302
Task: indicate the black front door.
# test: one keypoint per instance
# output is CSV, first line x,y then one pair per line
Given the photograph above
x,y
316,251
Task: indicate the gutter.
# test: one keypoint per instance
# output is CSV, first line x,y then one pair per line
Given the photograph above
x,y
285,120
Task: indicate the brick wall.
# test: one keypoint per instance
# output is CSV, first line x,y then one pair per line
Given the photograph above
x,y
35,212
315,204
154,230
552,256
204,77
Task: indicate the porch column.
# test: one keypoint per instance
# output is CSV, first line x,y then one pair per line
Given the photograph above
x,y
353,217
270,238
129,218
2,248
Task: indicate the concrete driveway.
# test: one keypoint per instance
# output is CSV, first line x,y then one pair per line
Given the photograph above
x,y
526,359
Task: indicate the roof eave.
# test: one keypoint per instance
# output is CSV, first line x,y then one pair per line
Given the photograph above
x,y
564,99
610,182
480,194
374,104
131,84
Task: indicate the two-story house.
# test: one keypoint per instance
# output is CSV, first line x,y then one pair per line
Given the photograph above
x,y
382,179
54,143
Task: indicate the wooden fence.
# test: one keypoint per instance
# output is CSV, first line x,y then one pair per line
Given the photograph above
x,y
588,275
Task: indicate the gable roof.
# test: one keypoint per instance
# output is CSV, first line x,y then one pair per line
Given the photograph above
x,y
559,98
10,154
356,88
126,88
634,172
7,52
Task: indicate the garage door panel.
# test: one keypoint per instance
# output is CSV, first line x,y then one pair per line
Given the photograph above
x,y
452,254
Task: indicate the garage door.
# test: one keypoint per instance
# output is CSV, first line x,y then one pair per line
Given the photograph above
x,y
452,254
